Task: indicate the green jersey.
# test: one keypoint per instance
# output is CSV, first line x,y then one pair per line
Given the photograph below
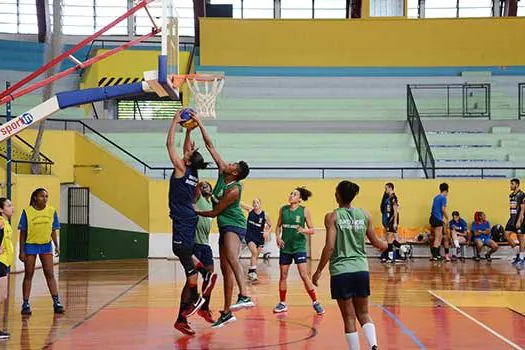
x,y
349,253
231,216
202,233
291,220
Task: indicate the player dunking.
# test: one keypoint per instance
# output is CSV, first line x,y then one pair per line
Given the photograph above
x,y
346,228
515,223
232,227
292,241
257,232
183,183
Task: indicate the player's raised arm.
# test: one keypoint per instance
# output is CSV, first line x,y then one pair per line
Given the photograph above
x,y
170,141
209,144
228,199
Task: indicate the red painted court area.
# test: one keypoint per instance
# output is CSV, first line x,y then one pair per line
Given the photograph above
x,y
132,305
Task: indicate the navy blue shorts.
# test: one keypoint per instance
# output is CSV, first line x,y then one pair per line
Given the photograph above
x,y
257,240
349,285
298,258
204,254
38,249
184,232
241,232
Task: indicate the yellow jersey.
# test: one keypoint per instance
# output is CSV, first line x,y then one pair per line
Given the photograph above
x,y
39,224
8,250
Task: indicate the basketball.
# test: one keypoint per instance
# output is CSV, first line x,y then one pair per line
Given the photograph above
x,y
187,121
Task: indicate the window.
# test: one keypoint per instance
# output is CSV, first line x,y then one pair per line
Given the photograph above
x,y
257,9
521,8
330,9
441,13
475,12
387,8
236,4
183,10
413,8
296,9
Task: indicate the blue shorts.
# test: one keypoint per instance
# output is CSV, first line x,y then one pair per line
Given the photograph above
x,y
298,258
258,240
184,233
485,239
204,254
241,232
349,285
38,249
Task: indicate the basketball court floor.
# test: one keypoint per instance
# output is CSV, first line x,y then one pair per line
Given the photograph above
x,y
132,305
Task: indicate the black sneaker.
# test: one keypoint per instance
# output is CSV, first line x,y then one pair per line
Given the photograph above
x,y
4,335
26,309
224,319
488,257
477,258
58,308
375,347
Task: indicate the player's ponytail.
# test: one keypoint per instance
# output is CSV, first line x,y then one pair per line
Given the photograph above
x,y
197,161
304,193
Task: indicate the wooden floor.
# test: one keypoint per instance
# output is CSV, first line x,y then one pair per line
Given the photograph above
x,y
131,305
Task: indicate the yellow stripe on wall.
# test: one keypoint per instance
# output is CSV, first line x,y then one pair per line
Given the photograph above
x,y
374,42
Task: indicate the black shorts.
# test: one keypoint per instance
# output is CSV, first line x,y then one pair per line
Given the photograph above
x,y
241,232
298,258
4,270
184,231
349,285
434,222
204,254
511,226
257,240
389,226
184,253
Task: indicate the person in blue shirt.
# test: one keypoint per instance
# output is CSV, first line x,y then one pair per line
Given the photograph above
x,y
481,235
459,232
438,221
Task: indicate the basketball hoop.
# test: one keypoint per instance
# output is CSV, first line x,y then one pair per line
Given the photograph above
x,y
205,88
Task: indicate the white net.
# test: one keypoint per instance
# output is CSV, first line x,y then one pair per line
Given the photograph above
x,y
205,95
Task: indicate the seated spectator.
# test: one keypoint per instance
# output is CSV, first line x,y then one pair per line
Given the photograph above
x,y
459,232
481,235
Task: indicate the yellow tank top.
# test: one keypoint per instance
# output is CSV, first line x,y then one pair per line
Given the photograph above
x,y
8,253
39,224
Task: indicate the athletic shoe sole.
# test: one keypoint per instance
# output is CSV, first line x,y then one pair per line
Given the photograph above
x,y
184,330
248,305
232,319
280,311
210,286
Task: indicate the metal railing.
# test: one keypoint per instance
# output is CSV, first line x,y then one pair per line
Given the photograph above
x,y
321,172
452,100
521,101
23,157
420,138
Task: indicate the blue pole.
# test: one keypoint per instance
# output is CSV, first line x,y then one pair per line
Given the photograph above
x,y
9,150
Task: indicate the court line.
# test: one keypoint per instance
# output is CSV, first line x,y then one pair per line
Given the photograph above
x,y
94,313
402,326
479,323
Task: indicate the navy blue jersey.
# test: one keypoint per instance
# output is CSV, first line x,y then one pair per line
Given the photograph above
x,y
255,224
181,194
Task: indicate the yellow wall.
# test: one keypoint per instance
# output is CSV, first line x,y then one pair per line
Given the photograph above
x,y
115,182
374,42
130,64
59,146
415,196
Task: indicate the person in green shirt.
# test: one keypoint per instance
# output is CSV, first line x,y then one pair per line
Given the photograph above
x,y
202,253
346,228
292,241
226,199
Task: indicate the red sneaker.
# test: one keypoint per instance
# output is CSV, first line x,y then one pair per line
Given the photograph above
x,y
184,328
193,307
210,286
206,315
